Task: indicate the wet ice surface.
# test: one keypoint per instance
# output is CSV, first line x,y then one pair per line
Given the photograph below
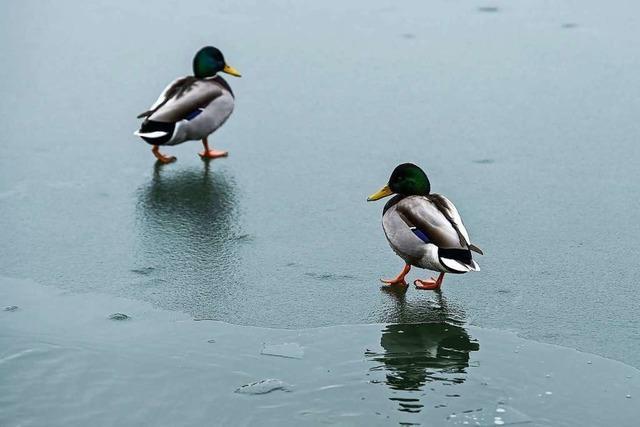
x,y
64,363
527,124
525,116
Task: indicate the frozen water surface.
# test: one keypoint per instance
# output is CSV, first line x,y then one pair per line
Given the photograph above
x,y
525,114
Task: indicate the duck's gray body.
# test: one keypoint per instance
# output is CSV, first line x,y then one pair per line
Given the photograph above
x,y
427,232
188,109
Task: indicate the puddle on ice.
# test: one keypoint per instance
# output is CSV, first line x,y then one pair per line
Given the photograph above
x,y
438,373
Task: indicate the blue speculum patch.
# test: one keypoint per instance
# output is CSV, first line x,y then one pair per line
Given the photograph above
x,y
192,115
421,234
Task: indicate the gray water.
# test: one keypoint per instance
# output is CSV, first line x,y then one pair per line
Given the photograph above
x,y
523,114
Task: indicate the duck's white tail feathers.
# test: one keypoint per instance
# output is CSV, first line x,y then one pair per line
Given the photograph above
x,y
156,133
458,266
151,135
457,260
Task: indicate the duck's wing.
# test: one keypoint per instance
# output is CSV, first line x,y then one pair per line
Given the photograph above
x,y
449,210
182,98
427,222
161,99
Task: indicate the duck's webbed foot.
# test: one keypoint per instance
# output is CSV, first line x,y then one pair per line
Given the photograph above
x,y
161,157
400,279
429,284
213,154
210,153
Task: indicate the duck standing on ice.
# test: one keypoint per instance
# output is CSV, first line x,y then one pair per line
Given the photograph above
x,y
192,107
423,228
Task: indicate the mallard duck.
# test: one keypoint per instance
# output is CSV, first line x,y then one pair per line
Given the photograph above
x,y
191,107
423,228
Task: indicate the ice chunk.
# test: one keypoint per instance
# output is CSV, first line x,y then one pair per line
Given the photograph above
x,y
264,387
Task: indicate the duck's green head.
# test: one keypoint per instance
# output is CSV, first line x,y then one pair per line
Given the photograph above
x,y
407,179
209,61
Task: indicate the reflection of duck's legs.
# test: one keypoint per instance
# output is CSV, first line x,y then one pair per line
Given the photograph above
x,y
210,153
161,157
429,284
400,279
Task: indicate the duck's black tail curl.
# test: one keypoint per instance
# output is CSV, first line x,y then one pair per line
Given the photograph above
x,y
457,260
156,133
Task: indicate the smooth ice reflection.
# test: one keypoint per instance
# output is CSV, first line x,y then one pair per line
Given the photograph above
x,y
417,354
427,345
189,236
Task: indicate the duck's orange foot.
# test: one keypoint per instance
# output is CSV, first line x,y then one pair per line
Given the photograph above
x,y
213,154
166,159
394,282
398,281
429,284
161,157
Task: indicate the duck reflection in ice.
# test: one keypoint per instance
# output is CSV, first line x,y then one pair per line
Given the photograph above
x,y
415,354
190,236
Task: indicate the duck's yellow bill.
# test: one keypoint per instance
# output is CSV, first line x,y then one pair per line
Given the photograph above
x,y
230,70
383,192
